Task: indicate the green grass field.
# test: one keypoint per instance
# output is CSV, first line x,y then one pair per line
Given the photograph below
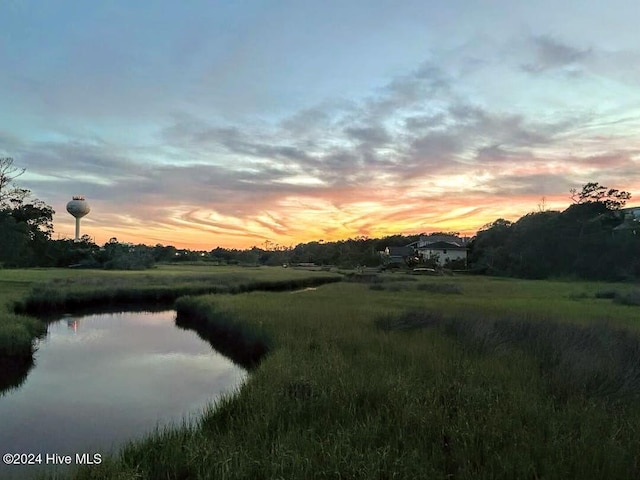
x,y
404,377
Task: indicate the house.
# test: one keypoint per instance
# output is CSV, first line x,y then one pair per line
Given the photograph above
x,y
630,220
398,255
442,249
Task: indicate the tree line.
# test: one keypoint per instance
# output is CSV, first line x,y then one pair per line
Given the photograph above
x,y
590,239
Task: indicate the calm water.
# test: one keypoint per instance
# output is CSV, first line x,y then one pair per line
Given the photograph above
x,y
100,380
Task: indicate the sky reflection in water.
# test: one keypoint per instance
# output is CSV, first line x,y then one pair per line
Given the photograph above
x,y
100,380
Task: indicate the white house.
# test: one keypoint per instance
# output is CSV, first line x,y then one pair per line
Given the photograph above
x,y
442,249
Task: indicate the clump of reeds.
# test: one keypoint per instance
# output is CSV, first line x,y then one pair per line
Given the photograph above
x,y
623,298
629,298
363,277
411,320
447,288
579,296
594,361
61,296
391,287
606,294
17,334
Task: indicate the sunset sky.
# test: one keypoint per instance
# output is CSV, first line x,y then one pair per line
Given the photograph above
x,y
228,123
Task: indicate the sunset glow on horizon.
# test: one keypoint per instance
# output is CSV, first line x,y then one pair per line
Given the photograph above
x,y
232,124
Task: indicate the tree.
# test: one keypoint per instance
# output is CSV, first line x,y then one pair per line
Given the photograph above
x,y
488,250
534,245
25,222
584,240
8,173
593,192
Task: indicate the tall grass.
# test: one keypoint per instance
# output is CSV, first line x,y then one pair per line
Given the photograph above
x,y
17,334
336,396
61,295
482,396
594,361
245,344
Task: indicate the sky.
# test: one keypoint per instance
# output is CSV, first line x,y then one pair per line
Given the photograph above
x,y
235,123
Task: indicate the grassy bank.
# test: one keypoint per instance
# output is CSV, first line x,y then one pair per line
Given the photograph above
x,y
53,291
244,343
354,387
97,292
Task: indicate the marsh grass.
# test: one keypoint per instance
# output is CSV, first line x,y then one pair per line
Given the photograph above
x,y
72,294
595,361
609,293
244,343
17,334
625,297
448,288
339,395
628,298
392,287
107,291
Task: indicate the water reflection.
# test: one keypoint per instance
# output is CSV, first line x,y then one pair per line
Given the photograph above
x,y
103,379
72,323
13,372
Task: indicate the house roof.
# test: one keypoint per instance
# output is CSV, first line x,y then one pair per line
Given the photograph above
x,y
400,251
631,211
426,240
443,246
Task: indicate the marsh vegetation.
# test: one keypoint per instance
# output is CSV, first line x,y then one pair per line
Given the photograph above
x,y
47,292
455,377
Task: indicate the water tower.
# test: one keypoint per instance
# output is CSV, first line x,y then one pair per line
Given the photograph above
x,y
78,207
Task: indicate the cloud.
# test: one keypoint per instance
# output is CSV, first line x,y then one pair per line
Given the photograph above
x,y
551,54
9,143
370,136
419,152
415,126
533,184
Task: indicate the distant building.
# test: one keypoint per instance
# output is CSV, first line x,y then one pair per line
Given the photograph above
x,y
441,249
630,220
398,255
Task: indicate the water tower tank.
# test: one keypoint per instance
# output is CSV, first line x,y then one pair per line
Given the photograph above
x,y
78,207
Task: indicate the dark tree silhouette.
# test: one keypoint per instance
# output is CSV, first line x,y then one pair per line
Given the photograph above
x,y
8,173
593,192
